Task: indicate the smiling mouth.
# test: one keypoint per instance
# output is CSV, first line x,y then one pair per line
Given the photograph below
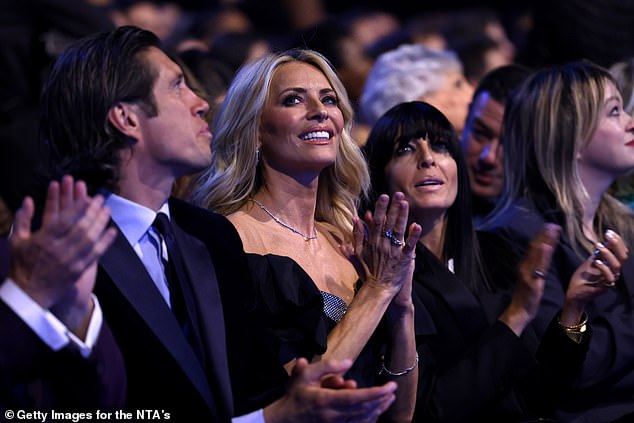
x,y
630,144
315,136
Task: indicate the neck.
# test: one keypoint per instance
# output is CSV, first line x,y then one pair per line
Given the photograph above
x,y
596,184
433,236
292,202
149,190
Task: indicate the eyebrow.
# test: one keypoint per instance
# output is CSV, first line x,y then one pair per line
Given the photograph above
x,y
304,90
611,98
481,125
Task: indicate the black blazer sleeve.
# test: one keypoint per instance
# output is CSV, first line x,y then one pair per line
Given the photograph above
x,y
63,378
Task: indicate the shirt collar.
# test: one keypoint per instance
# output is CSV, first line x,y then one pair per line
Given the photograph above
x,y
132,219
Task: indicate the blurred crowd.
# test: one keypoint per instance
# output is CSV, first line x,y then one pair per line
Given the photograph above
x,y
437,195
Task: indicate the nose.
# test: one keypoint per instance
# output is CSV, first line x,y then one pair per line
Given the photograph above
x,y
426,158
489,154
318,111
629,125
199,106
202,107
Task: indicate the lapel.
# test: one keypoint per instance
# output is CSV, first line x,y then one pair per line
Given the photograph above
x,y
435,277
208,311
127,273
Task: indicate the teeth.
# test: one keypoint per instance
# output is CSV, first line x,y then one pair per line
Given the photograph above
x,y
317,135
429,183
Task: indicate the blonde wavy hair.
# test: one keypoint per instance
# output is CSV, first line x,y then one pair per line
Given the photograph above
x,y
235,174
547,122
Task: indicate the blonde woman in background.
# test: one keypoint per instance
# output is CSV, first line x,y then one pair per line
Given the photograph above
x,y
289,177
623,72
566,139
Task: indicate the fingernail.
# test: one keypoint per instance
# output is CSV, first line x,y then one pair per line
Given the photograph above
x,y
610,234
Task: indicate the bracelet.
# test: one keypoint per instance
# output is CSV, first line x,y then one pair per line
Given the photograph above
x,y
579,327
404,372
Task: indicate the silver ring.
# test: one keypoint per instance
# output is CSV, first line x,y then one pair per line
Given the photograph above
x,y
397,242
389,234
609,284
538,274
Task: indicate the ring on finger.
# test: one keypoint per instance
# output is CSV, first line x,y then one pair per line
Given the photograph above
x,y
396,242
389,234
609,283
538,274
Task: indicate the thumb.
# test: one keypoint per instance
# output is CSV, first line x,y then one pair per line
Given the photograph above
x,y
314,372
22,219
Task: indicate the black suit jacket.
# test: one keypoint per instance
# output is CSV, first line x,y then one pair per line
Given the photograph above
x,y
474,367
604,389
163,371
33,376
255,362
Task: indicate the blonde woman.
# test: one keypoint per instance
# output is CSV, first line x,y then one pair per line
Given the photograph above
x,y
566,139
288,175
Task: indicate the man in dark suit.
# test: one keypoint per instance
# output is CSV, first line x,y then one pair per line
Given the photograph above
x,y
56,351
118,113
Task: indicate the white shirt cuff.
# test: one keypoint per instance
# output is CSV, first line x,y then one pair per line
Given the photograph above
x,y
46,326
254,417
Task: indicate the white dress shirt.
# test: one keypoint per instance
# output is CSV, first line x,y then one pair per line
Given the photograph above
x,y
46,326
135,222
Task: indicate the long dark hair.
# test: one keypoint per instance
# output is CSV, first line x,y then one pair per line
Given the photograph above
x,y
413,120
86,81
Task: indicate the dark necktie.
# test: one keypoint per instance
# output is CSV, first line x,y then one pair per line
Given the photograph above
x,y
181,294
174,270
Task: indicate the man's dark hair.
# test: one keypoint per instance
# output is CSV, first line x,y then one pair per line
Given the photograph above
x,y
88,79
501,81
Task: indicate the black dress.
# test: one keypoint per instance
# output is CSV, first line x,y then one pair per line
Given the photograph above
x,y
301,316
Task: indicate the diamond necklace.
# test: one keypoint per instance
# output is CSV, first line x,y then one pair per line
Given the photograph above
x,y
286,225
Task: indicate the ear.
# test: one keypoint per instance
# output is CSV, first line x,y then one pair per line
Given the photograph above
x,y
125,117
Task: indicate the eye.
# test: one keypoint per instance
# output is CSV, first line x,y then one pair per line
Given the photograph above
x,y
615,111
330,100
440,147
405,148
481,136
291,100
178,83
